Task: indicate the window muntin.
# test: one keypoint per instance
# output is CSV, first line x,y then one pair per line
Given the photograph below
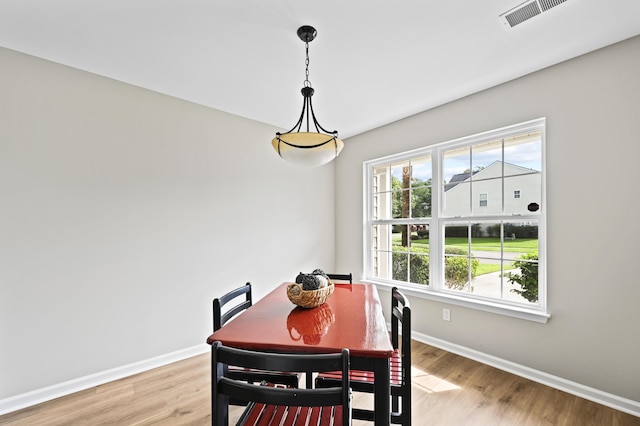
x,y
468,236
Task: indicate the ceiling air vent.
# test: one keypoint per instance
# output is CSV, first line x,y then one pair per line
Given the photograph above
x,y
526,11
548,4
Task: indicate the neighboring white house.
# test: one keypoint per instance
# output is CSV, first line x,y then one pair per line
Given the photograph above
x,y
481,192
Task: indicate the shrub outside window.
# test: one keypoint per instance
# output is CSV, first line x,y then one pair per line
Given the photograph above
x,y
431,230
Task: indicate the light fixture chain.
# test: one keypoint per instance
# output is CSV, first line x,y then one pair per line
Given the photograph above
x,y
305,147
307,83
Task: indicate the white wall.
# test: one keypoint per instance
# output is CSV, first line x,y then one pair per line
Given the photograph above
x,y
592,106
124,212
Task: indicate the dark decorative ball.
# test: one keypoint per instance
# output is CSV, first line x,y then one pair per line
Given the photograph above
x,y
319,272
310,282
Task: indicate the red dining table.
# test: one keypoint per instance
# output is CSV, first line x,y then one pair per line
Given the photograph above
x,y
352,318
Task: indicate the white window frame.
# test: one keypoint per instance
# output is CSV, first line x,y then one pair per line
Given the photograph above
x,y
434,291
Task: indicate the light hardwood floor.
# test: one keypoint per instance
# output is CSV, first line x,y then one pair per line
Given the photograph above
x,y
447,390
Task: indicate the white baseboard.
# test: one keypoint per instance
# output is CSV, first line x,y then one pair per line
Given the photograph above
x,y
48,393
616,402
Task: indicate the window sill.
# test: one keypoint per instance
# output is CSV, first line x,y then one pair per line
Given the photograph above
x,y
480,305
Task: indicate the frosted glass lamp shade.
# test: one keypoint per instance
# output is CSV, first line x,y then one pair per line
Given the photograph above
x,y
307,149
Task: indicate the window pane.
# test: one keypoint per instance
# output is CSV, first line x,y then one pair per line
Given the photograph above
x,y
520,239
457,174
419,258
381,237
421,202
410,260
401,204
401,245
457,199
456,237
381,178
381,205
456,162
487,178
521,248
489,283
486,155
487,259
485,240
456,272
487,196
400,264
456,262
401,235
522,282
524,151
381,253
401,184
419,268
381,264
421,171
523,167
421,187
381,200
524,190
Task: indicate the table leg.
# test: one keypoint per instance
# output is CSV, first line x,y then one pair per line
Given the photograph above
x,y
382,392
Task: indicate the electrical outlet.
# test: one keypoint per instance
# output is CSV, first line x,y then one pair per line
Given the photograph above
x,y
446,314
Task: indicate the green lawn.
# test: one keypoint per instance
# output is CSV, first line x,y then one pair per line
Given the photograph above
x,y
524,245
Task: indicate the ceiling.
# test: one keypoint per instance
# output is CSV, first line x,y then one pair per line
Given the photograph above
x,y
373,62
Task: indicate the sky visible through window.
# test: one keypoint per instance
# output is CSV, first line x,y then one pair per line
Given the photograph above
x,y
527,155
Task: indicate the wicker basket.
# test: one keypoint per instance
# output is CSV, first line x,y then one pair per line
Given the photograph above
x,y
309,298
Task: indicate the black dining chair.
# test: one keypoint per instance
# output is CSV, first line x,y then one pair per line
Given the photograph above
x,y
227,307
274,404
400,364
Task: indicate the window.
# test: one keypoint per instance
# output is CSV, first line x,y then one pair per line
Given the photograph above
x,y
431,230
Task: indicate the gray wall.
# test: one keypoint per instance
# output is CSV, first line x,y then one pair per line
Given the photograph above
x,y
124,212
592,106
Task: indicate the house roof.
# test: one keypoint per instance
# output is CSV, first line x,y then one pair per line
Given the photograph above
x,y
457,178
465,176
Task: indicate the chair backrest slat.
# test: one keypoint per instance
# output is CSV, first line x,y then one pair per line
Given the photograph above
x,y
276,361
224,387
342,277
219,317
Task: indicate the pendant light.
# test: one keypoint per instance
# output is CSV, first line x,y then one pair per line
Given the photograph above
x,y
301,145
